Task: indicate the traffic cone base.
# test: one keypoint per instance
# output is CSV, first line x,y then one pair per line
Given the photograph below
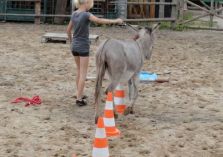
x,y
111,132
109,119
110,128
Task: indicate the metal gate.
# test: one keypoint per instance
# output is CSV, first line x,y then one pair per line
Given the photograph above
x,y
20,7
2,9
24,8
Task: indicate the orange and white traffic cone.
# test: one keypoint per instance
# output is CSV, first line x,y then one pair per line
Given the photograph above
x,y
100,147
109,118
119,98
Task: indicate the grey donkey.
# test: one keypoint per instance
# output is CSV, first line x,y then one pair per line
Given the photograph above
x,y
123,60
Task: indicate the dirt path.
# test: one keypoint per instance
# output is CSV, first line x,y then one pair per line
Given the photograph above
x,y
183,118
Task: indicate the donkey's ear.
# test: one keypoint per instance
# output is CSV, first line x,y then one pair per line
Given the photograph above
x,y
148,29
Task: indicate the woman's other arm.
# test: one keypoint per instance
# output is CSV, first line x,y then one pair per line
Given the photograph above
x,y
69,30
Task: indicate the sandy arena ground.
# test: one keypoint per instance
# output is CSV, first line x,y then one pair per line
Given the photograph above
x,y
182,118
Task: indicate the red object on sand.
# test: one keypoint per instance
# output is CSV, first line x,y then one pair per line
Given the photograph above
x,y
30,102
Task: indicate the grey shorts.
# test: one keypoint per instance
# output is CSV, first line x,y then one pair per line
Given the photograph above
x,y
81,54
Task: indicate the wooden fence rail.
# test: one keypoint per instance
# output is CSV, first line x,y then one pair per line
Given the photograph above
x,y
153,3
34,15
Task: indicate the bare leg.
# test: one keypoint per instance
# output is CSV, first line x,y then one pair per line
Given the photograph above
x,y
77,61
83,74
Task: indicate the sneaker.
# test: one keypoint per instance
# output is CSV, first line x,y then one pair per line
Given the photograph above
x,y
81,102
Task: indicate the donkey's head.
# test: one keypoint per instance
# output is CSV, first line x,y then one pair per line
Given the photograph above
x,y
146,38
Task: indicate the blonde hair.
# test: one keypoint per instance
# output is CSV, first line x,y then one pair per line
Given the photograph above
x,y
77,3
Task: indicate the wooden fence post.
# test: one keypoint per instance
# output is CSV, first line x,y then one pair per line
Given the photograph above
x,y
174,14
181,9
37,11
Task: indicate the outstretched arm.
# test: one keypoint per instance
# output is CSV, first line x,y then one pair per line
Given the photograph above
x,y
105,21
69,29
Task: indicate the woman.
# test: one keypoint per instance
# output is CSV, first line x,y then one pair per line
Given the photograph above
x,y
80,45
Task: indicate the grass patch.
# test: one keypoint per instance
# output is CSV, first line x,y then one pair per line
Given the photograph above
x,y
187,16
201,23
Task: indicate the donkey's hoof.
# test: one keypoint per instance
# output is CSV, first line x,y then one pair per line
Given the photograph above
x,y
132,111
116,115
96,119
127,111
106,91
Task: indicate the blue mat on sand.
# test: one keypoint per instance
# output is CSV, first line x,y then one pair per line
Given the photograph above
x,y
147,76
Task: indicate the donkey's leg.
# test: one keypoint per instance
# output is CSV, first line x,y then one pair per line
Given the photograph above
x,y
133,94
115,73
111,87
130,89
115,80
115,76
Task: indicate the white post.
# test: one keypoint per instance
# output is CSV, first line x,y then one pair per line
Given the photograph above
x,y
211,16
72,6
122,9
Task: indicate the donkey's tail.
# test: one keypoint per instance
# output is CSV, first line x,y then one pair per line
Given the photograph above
x,y
101,68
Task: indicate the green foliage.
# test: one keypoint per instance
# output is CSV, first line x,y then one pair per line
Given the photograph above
x,y
180,28
165,25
